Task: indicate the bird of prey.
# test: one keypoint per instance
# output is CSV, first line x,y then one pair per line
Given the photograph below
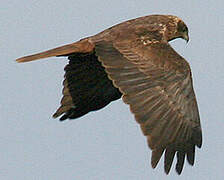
x,y
134,60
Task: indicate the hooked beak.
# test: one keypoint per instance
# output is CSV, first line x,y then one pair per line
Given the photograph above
x,y
186,37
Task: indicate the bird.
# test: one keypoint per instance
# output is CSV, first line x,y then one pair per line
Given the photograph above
x,y
134,61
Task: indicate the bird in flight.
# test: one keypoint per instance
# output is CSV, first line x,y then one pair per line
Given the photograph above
x,y
134,61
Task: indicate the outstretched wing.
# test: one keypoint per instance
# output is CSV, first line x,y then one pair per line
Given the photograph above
x,y
156,82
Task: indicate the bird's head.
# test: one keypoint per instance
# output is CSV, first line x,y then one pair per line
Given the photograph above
x,y
176,28
160,27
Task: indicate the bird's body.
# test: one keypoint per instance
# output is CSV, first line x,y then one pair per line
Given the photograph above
x,y
133,60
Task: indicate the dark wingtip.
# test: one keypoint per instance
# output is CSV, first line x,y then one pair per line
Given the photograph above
x,y
168,159
180,162
191,155
64,117
197,137
56,115
156,155
179,169
167,170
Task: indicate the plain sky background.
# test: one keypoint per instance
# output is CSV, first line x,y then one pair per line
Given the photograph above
x,y
107,144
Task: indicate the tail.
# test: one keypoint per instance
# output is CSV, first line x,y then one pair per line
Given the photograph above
x,y
82,46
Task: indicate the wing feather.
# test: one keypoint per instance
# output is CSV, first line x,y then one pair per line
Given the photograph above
x,y
169,156
180,161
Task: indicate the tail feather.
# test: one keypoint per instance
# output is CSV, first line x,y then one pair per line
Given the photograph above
x,y
82,46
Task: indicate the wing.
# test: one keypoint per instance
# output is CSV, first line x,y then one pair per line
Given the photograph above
x,y
156,82
86,87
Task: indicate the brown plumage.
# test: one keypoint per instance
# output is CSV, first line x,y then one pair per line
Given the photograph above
x,y
133,60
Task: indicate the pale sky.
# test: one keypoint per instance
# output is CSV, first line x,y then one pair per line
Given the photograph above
x,y
107,144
